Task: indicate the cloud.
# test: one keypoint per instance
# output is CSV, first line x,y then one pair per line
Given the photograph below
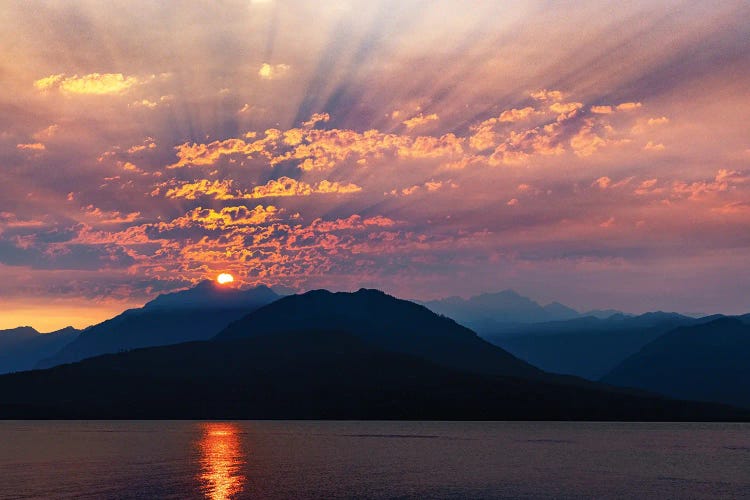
x,y
586,142
273,71
149,104
652,146
547,95
218,190
147,144
657,121
516,115
428,186
110,217
608,223
648,187
628,106
46,133
91,84
419,120
601,110
602,182
285,186
226,217
563,108
34,146
281,187
724,181
315,119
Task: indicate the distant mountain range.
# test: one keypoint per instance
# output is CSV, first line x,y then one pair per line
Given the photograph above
x,y
22,348
194,314
363,355
709,361
587,347
490,313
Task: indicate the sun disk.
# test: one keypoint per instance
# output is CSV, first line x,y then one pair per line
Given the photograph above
x,y
224,278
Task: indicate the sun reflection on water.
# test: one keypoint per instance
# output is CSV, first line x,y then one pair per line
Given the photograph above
x,y
221,461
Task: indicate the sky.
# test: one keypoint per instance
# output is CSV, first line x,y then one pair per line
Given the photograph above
x,y
572,151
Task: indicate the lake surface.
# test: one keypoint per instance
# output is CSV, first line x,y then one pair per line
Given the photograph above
x,y
263,459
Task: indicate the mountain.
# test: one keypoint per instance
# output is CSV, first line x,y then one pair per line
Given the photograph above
x,y
313,374
22,348
706,362
209,295
491,312
560,311
587,347
194,314
603,313
386,322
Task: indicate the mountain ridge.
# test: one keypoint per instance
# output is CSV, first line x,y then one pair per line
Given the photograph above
x,y
390,323
193,314
706,361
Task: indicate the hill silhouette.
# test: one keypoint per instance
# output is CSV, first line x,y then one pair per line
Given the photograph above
x,y
194,314
22,348
706,362
312,374
587,347
386,322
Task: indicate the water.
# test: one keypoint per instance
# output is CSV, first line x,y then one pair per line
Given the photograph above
x,y
261,459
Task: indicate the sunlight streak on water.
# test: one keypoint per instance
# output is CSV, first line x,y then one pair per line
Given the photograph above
x,y
221,461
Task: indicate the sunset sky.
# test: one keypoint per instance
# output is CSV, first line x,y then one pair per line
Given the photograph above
x,y
595,154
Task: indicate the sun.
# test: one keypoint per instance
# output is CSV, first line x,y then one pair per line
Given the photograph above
x,y
224,278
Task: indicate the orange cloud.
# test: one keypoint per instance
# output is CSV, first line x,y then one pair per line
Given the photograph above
x,y
35,146
652,146
516,115
92,84
281,187
724,181
648,187
219,190
46,133
547,95
628,106
420,119
563,108
110,217
227,217
316,118
272,71
586,141
657,121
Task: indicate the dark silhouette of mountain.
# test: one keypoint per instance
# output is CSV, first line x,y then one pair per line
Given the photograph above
x,y
560,311
387,322
312,375
587,347
209,295
22,348
194,314
490,313
604,313
706,362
